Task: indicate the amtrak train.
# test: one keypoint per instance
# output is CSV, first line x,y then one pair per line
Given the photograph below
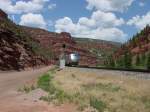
x,y
72,59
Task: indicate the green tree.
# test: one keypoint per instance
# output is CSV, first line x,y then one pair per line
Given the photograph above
x,y
148,62
120,62
111,62
138,60
127,60
143,59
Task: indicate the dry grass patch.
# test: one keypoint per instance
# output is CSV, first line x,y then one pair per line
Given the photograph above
x,y
101,92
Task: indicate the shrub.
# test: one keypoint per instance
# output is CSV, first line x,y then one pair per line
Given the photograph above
x,y
148,62
97,104
146,101
44,82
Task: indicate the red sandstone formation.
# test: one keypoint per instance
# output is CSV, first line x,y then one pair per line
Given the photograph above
x,y
14,54
17,51
3,14
56,41
140,44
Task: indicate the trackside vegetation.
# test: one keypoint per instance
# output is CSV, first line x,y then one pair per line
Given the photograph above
x,y
93,93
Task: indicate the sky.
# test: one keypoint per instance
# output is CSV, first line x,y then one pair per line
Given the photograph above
x,y
112,20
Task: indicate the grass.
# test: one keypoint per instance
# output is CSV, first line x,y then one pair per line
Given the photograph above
x,y
96,93
146,101
97,104
27,89
44,82
104,87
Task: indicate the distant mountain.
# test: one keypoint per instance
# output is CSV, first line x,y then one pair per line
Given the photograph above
x,y
99,48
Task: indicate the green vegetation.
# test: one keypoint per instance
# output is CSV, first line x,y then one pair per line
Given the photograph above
x,y
104,87
143,59
29,43
45,83
94,93
39,50
59,96
97,104
27,89
127,60
148,62
138,60
122,62
146,101
133,54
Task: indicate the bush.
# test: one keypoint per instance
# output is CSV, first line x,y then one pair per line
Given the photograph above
x,y
127,60
97,104
44,82
148,62
146,101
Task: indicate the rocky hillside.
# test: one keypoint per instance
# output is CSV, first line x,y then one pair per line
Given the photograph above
x,y
22,47
100,48
17,49
135,53
92,52
55,43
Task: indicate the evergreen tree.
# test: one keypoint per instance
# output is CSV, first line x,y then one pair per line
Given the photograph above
x,y
148,62
143,58
137,60
111,62
120,62
127,60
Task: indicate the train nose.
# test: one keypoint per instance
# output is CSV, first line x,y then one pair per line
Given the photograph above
x,y
74,57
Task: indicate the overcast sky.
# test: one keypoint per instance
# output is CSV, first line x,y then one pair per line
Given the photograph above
x,y
113,20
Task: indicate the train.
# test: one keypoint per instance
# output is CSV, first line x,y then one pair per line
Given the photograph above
x,y
72,59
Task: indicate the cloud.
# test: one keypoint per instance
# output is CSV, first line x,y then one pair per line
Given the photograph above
x,y
109,5
22,6
100,25
51,6
33,20
141,4
140,21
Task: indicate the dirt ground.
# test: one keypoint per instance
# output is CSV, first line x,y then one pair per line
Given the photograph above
x,y
13,101
70,78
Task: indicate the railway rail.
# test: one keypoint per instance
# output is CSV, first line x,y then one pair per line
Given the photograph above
x,y
116,69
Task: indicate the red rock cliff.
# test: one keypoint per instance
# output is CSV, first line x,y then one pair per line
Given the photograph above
x,y
3,14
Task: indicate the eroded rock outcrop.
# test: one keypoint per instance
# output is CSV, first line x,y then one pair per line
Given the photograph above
x,y
15,54
3,15
57,41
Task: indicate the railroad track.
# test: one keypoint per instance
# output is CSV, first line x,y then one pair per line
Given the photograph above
x,y
115,69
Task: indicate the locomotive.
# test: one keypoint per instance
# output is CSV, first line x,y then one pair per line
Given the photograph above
x,y
72,59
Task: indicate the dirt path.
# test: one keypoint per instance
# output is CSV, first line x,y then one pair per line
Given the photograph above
x,y
13,101
11,81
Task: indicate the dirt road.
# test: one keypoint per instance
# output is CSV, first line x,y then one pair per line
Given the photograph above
x,y
13,101
11,81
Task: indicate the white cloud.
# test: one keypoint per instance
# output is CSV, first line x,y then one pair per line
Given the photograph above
x,y
22,6
51,6
99,26
140,21
141,4
109,5
33,20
